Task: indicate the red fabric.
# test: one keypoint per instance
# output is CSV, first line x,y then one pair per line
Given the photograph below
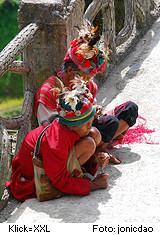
x,y
55,147
93,65
45,95
140,133
22,167
92,86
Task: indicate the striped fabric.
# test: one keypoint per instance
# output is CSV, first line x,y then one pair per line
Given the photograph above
x,y
45,96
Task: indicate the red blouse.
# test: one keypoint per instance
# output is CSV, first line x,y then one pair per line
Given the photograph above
x,y
45,95
55,148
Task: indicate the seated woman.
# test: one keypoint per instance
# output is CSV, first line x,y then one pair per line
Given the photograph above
x,y
85,58
67,150
45,100
115,123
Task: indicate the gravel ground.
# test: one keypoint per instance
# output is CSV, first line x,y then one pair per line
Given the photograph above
x,y
11,207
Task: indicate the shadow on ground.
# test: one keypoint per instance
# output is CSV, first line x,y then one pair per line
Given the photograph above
x,y
125,154
75,209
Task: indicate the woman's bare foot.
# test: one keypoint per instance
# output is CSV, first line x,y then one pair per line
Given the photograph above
x,y
100,182
104,158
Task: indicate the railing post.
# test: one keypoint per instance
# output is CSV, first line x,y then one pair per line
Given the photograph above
x,y
4,159
129,23
109,28
143,10
56,21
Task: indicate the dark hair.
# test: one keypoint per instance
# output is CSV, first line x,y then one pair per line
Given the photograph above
x,y
94,40
71,64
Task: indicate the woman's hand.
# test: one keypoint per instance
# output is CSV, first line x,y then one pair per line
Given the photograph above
x,y
98,111
103,159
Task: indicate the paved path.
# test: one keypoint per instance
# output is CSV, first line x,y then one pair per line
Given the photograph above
x,y
133,194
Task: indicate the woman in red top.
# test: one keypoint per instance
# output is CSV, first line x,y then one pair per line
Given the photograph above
x,y
72,130
45,100
86,58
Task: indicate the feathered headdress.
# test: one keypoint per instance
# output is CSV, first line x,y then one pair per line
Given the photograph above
x,y
84,52
75,106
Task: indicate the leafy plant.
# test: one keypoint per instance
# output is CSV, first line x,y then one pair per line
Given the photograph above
x,y
10,107
10,84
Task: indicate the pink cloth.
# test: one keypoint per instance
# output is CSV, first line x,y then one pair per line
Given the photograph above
x,y
138,134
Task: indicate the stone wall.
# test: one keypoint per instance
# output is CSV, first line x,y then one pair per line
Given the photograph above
x,y
56,22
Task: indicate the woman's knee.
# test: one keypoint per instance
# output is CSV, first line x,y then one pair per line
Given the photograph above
x,y
132,113
96,135
90,145
128,113
133,106
107,125
86,146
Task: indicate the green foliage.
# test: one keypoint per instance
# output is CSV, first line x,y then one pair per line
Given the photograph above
x,y
10,107
9,2
10,84
8,22
12,113
9,103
